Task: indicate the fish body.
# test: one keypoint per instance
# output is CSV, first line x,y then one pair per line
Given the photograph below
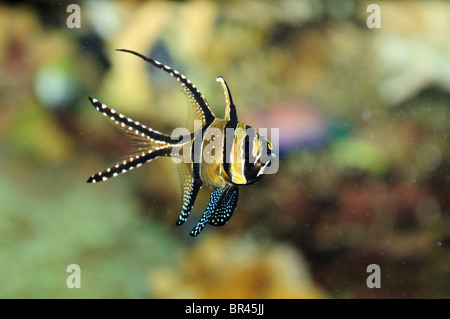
x,y
211,171
222,154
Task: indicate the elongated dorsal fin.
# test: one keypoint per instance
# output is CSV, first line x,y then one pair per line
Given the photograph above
x,y
230,110
201,109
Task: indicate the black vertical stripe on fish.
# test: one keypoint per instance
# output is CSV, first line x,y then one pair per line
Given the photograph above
x,y
247,148
228,138
196,182
250,136
230,126
250,172
248,165
196,159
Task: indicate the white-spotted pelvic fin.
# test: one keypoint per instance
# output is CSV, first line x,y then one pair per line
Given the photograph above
x,y
221,207
225,207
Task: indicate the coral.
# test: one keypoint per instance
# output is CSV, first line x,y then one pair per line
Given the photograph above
x,y
235,267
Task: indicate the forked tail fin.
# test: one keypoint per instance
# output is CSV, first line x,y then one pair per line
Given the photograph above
x,y
153,144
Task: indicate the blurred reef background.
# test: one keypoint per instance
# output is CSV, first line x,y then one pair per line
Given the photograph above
x,y
364,142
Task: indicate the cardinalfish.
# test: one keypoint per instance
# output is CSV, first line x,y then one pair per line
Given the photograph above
x,y
222,154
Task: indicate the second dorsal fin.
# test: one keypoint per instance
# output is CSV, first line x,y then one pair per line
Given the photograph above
x,y
230,110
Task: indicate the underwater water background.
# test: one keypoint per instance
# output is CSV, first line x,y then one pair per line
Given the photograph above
x,y
363,115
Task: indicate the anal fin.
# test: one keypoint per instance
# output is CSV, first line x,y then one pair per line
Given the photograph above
x,y
189,189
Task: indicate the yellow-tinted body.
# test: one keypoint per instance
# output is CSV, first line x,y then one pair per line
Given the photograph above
x,y
222,154
211,169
